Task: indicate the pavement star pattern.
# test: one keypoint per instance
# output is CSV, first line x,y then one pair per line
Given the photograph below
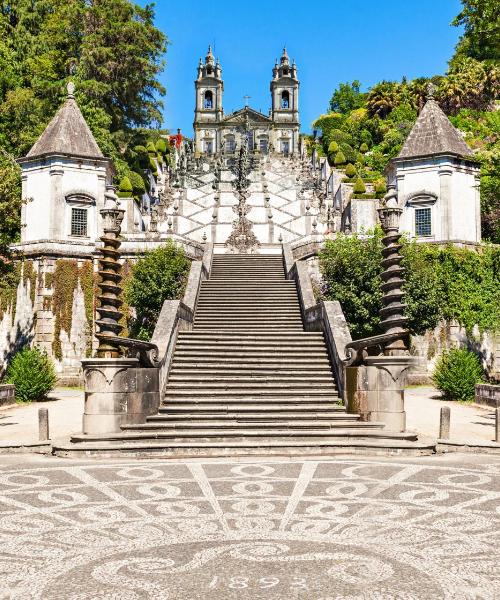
x,y
343,529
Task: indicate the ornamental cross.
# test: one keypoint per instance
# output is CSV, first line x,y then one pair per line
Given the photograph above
x,y
246,99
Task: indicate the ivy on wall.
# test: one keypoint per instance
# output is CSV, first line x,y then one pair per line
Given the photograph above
x,y
64,281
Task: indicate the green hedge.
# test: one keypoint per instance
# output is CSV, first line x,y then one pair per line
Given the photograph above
x,y
441,283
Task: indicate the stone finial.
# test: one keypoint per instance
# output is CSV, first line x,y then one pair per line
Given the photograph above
x,y
70,88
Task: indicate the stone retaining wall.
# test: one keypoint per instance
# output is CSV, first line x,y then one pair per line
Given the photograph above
x,y
487,394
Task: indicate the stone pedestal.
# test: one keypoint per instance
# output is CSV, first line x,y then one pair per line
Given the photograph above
x,y
117,391
375,390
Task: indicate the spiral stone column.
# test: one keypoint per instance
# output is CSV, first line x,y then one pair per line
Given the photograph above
x,y
375,387
109,314
392,313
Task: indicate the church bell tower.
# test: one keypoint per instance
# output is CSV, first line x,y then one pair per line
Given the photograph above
x,y
285,105
208,108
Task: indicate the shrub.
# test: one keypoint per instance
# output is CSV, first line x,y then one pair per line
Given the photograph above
x,y
339,159
125,188
140,149
360,158
137,182
364,147
153,166
350,170
380,187
33,374
161,146
150,147
159,276
333,147
456,374
349,152
359,186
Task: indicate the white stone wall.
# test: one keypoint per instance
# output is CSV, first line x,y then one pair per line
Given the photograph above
x,y
451,187
52,187
430,346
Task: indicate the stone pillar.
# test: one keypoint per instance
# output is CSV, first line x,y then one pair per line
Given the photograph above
x,y
445,174
375,390
57,213
117,392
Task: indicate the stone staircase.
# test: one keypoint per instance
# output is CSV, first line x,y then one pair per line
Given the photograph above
x,y
248,379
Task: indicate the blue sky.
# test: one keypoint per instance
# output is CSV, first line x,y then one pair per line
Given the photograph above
x,y
332,42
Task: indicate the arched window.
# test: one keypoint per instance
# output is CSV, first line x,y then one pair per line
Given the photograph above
x,y
285,99
209,100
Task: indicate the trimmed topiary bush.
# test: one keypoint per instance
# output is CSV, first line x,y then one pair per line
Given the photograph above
x,y
360,158
161,146
125,188
150,147
333,148
33,374
349,152
456,374
364,147
140,149
380,187
359,186
152,166
138,186
350,170
339,159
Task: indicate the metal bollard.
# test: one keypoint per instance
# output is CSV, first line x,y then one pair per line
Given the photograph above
x,y
497,424
444,423
43,424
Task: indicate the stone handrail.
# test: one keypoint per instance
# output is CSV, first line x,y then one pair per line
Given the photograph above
x,y
326,316
177,315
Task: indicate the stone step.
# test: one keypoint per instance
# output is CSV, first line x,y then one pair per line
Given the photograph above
x,y
247,447
248,387
238,397
270,355
298,423
254,362
250,433
256,416
248,372
233,424
292,335
250,347
229,378
239,342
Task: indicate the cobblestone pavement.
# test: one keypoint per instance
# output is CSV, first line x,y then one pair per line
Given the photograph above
x,y
316,530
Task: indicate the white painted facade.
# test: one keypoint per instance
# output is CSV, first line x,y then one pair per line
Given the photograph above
x,y
447,189
52,187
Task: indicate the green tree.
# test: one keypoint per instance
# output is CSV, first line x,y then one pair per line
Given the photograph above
x,y
481,22
347,97
159,276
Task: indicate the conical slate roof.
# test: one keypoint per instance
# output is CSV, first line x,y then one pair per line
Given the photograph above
x,y
433,134
67,133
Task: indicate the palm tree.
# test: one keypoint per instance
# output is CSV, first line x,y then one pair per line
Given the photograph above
x,y
382,98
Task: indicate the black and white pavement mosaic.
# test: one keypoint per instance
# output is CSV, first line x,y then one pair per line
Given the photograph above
x,y
345,529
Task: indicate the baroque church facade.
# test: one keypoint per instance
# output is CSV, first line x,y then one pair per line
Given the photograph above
x,y
216,132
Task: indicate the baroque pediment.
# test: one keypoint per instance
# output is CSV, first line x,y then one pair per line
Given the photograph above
x,y
253,117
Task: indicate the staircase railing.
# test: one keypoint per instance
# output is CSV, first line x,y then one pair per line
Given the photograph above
x,y
178,315
326,316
